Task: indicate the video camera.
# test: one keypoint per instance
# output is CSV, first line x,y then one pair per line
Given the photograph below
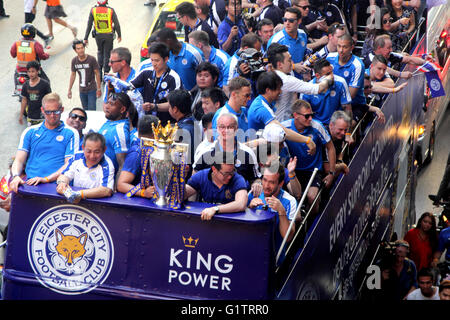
x,y
254,60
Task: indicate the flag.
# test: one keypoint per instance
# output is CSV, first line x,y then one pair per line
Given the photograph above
x,y
434,3
428,67
433,78
435,84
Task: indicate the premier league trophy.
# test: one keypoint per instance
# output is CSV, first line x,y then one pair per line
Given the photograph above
x,y
167,165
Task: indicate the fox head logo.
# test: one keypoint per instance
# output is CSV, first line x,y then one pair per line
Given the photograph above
x,y
71,248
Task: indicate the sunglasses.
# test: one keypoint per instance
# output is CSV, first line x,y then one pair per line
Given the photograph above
x,y
291,20
114,61
304,7
114,96
388,20
307,116
76,116
49,112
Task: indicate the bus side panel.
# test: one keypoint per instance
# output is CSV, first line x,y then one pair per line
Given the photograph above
x,y
358,214
150,253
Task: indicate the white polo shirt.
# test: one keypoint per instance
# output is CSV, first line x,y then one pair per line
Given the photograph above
x,y
290,90
82,176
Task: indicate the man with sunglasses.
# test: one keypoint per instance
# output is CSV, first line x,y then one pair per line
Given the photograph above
x,y
303,123
294,38
44,149
221,185
77,119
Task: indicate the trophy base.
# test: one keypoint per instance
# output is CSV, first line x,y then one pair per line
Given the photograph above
x,y
161,202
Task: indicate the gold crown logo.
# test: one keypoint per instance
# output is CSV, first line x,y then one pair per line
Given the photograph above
x,y
164,134
189,242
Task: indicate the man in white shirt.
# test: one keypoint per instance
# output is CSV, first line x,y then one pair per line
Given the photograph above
x,y
90,170
426,290
281,60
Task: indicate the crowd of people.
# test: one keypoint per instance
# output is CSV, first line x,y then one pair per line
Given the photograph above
x,y
263,93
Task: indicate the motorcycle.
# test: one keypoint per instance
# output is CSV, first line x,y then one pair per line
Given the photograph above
x,y
20,77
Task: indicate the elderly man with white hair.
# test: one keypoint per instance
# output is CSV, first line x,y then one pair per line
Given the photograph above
x,y
244,158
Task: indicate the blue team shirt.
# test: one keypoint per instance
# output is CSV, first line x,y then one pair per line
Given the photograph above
x,y
224,31
219,58
132,162
306,162
260,113
230,69
290,205
324,104
297,47
352,72
185,64
117,136
242,116
47,149
444,242
210,193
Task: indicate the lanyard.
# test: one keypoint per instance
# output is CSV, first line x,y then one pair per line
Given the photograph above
x,y
155,93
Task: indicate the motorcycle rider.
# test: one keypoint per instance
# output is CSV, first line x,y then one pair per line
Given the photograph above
x,y
27,49
106,24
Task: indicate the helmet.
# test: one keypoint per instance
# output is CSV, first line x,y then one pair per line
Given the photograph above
x,y
100,2
28,30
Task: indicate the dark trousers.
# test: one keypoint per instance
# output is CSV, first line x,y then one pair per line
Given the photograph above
x,y
104,47
29,18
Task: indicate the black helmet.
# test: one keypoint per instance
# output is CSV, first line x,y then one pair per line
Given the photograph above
x,y
28,30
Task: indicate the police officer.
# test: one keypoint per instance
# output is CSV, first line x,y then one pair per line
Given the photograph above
x,y
105,23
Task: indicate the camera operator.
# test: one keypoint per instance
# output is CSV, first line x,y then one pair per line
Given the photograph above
x,y
250,66
398,273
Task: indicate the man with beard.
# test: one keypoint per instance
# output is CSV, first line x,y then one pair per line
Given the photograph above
x,y
117,128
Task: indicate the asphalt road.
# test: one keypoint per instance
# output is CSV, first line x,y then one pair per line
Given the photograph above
x,y
135,20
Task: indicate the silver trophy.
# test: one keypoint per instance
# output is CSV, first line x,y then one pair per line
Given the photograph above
x,y
165,154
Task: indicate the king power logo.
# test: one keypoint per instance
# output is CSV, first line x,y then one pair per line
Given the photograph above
x,y
70,250
191,267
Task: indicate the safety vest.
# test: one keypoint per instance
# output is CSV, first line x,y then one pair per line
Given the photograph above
x,y
26,52
102,19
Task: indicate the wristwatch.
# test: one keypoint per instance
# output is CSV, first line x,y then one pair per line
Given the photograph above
x,y
331,172
216,210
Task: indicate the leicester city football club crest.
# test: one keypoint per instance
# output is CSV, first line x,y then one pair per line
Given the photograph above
x,y
164,85
346,73
184,61
435,85
332,93
59,138
70,250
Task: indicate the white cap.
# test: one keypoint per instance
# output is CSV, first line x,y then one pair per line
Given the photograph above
x,y
274,133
